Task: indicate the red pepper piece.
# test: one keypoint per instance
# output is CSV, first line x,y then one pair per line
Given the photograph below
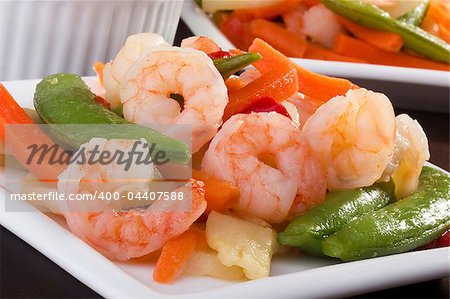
x,y
220,54
102,102
442,241
266,104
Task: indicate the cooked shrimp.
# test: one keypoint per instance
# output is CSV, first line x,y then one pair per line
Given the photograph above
x,y
103,224
411,152
321,25
135,233
293,112
201,43
270,161
293,19
191,74
114,71
354,137
87,178
109,177
306,106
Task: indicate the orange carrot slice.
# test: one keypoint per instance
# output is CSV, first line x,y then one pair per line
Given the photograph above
x,y
355,48
383,40
444,33
318,52
268,12
176,253
220,195
12,114
279,84
98,69
234,83
311,84
439,10
278,37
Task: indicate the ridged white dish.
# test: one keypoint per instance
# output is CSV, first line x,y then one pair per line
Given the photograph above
x,y
409,88
292,275
41,37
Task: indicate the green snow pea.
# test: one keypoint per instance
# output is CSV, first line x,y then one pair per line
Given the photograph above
x,y
407,224
229,66
416,16
415,38
339,208
66,99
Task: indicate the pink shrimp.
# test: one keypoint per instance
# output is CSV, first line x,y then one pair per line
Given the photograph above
x,y
321,25
130,234
153,79
273,165
306,106
114,227
201,43
354,136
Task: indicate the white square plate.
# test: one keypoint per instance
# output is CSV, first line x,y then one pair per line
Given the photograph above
x,y
292,275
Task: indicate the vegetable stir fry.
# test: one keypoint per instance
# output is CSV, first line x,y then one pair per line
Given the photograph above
x,y
282,157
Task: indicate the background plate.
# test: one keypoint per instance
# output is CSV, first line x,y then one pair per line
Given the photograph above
x,y
427,89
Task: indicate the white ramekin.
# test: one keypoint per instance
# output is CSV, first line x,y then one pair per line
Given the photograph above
x,y
42,37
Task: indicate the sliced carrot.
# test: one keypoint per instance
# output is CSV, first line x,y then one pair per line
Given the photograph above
x,y
315,51
279,84
322,87
278,37
444,33
11,112
439,10
220,195
355,48
98,69
237,29
271,11
271,58
383,40
176,253
234,83
21,138
430,25
311,84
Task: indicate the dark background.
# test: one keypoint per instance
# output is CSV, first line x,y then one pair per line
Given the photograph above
x,y
24,272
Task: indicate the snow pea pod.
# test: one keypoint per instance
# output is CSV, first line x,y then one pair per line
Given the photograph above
x,y
340,207
416,16
66,99
415,38
229,66
407,224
